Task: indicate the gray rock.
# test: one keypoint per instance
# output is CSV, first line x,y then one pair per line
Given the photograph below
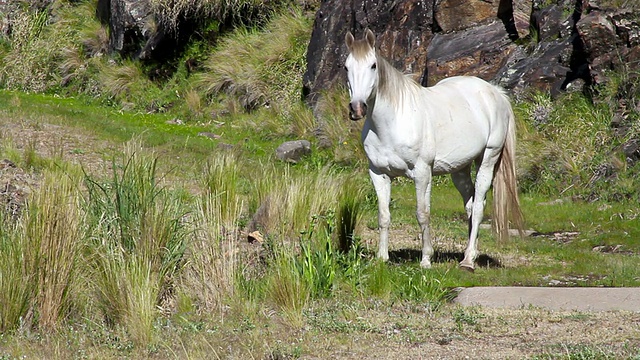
x,y
131,23
543,69
293,151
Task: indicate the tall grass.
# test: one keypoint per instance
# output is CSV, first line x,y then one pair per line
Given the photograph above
x,y
285,285
39,256
138,243
46,46
214,261
126,84
54,226
563,143
28,63
16,278
240,11
285,201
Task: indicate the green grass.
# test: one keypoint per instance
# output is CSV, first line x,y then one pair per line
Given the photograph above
x,y
221,280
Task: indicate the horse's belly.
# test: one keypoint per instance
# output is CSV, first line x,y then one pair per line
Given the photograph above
x,y
447,166
458,146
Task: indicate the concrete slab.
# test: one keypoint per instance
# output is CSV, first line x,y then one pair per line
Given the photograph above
x,y
579,299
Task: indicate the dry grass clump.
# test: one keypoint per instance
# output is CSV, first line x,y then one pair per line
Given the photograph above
x,y
260,67
39,255
285,202
212,271
243,11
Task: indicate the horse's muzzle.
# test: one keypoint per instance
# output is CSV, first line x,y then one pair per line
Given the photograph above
x,y
357,110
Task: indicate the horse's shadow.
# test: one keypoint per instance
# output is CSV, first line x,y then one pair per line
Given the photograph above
x,y
401,256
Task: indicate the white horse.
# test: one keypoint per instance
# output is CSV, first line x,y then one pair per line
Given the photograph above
x,y
419,132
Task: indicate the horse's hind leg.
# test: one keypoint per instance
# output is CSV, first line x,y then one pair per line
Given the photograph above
x,y
464,184
382,184
483,183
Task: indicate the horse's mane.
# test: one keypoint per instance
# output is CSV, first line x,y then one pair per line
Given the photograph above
x,y
393,85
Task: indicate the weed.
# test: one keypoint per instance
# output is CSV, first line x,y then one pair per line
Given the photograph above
x,y
317,263
421,285
466,317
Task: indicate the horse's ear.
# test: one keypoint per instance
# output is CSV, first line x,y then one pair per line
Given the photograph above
x,y
348,39
371,38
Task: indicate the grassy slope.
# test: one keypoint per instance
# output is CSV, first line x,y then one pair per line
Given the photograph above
x,y
332,326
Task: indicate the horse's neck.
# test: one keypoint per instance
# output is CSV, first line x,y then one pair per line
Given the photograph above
x,y
394,89
399,105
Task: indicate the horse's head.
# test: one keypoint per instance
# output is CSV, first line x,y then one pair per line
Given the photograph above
x,y
362,72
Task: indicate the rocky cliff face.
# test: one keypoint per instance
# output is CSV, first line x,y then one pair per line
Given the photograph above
x,y
549,45
552,45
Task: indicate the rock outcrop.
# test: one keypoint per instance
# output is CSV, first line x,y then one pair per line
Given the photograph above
x,y
134,30
518,44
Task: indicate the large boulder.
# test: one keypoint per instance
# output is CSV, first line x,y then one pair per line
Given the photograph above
x,y
611,40
547,68
480,51
572,41
521,10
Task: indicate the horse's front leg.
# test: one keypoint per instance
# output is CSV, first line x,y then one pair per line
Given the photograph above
x,y
382,184
423,213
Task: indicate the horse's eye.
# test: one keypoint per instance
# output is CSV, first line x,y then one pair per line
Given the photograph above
x,y
346,69
373,67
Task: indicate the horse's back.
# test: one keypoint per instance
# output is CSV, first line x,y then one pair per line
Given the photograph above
x,y
468,115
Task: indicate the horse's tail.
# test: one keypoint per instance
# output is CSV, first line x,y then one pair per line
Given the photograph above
x,y
506,206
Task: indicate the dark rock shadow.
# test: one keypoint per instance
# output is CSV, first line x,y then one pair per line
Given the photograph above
x,y
402,256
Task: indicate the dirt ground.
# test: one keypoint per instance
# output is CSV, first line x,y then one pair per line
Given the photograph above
x,y
513,334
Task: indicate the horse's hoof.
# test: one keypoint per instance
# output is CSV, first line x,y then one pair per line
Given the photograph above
x,y
468,268
425,264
